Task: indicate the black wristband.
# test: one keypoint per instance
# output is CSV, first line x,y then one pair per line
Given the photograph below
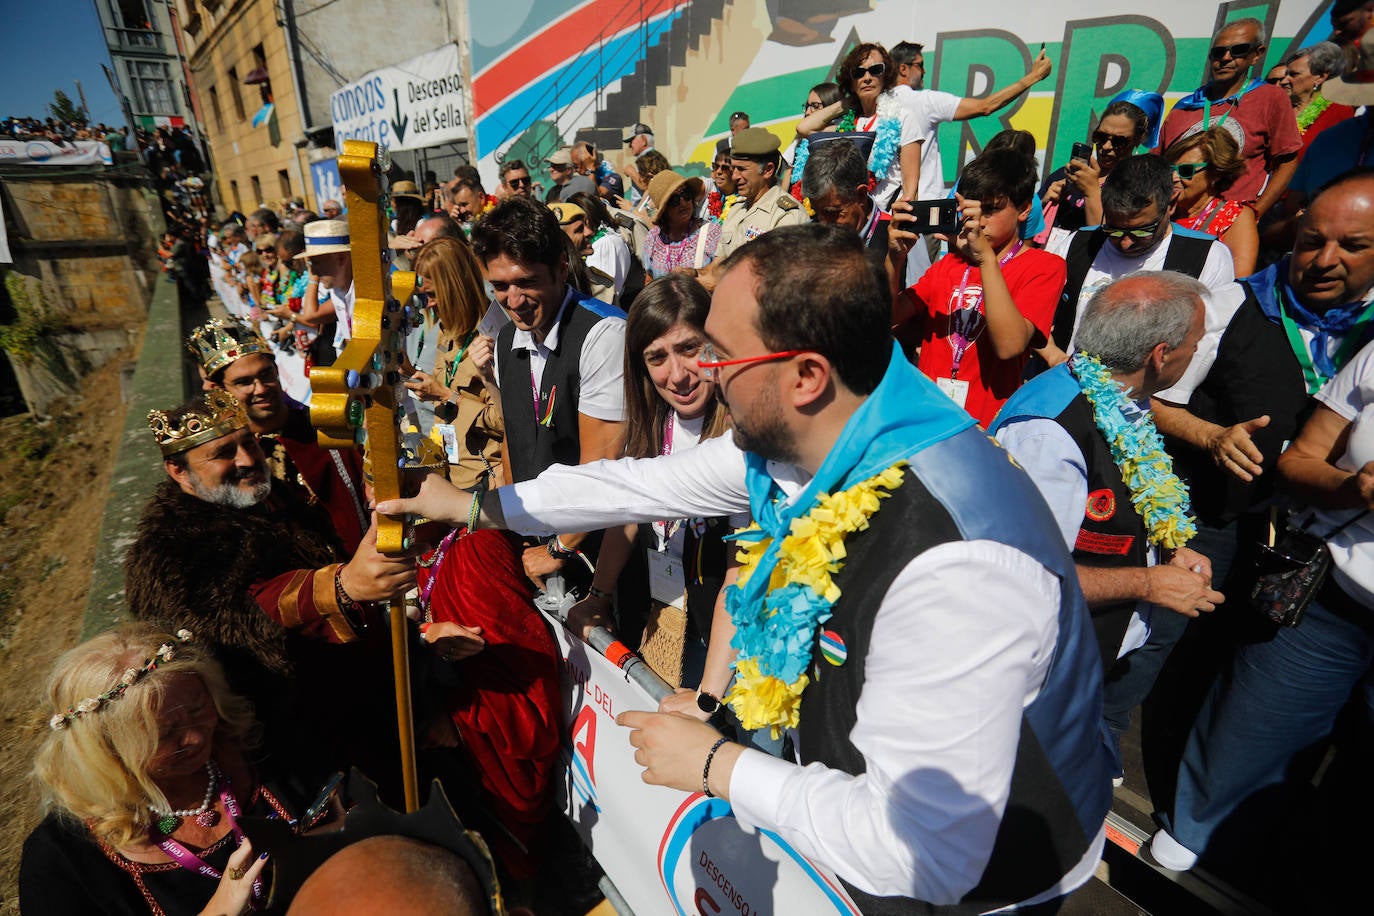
x,y
706,770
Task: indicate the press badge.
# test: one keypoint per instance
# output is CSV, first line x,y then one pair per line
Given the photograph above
x,y
667,582
956,388
448,434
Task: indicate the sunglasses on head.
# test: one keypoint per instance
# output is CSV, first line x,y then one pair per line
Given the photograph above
x,y
1101,140
876,70
1187,170
1140,234
1236,52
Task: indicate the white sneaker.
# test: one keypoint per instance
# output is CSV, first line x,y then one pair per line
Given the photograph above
x,y
1118,781
1170,853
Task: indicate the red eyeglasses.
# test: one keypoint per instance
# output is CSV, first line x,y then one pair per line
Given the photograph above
x,y
711,363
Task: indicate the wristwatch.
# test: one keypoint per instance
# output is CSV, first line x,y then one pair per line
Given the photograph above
x,y
707,703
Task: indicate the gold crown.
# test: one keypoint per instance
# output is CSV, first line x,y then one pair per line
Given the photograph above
x,y
221,415
220,341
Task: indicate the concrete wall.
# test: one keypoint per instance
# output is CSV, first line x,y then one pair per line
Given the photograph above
x,y
84,251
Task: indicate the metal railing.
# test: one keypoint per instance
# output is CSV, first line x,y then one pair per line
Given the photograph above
x,y
138,38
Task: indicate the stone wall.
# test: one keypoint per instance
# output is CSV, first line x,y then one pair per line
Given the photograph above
x,y
85,262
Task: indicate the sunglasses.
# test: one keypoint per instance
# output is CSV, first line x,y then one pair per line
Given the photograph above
x,y
722,166
1101,140
1187,170
518,182
1273,80
265,250
876,70
1236,52
1141,234
678,197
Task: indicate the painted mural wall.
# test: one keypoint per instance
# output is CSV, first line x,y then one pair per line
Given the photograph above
x,y
547,72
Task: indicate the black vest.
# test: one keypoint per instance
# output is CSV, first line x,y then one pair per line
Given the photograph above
x,y
1187,254
1052,815
1255,373
533,445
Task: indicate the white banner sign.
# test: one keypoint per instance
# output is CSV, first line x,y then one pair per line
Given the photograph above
x,y
42,152
666,851
412,106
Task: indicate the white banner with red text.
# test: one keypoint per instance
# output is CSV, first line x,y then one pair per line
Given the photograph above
x,y
45,152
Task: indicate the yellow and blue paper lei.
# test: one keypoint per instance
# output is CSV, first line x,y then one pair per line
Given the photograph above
x,y
775,639
1148,471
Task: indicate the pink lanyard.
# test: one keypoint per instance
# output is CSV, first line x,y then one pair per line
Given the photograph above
x,y
963,326
192,862
666,530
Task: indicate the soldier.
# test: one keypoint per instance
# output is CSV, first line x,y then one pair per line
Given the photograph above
x,y
762,204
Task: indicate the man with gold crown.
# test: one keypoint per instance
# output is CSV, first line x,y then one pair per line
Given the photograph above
x,y
247,564
234,357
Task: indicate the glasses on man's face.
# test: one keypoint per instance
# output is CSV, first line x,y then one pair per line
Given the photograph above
x,y
712,361
859,73
1139,234
1187,170
519,182
1236,52
1103,140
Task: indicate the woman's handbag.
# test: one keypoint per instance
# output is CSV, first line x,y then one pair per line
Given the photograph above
x,y
1290,570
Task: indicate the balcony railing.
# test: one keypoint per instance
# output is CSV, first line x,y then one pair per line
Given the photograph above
x,y
139,39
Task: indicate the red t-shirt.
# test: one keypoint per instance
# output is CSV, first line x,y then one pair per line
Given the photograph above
x,y
1271,130
1333,115
1035,279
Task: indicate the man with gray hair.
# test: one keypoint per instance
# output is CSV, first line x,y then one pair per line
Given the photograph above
x,y
836,183
1065,428
1257,114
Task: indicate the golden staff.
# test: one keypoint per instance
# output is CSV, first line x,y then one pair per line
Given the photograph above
x,y
361,398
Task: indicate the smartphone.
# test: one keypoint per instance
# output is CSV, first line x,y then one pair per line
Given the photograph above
x,y
929,216
1081,151
320,806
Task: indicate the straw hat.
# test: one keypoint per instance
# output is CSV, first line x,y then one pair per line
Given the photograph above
x,y
406,189
663,185
1356,87
325,236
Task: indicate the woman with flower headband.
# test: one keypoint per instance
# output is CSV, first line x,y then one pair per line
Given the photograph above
x,y
146,775
866,78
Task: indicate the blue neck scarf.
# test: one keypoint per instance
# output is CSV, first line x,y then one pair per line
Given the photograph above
x,y
1335,322
905,414
1199,97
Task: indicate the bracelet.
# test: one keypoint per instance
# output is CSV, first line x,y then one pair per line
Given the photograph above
x,y
594,592
706,770
352,610
475,512
558,551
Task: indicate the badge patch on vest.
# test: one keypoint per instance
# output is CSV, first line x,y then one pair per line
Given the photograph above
x,y
752,233
1101,505
1112,545
833,648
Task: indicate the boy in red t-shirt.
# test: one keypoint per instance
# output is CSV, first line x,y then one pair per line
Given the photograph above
x,y
979,310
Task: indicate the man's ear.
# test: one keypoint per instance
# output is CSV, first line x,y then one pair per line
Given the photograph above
x,y
180,474
814,375
1159,355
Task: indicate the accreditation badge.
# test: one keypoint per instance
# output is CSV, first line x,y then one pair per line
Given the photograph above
x,y
448,434
955,388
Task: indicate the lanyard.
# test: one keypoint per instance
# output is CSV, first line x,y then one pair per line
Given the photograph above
x,y
452,368
666,530
192,862
547,420
963,331
1315,379
1207,113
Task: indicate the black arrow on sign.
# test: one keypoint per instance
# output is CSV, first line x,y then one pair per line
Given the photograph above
x,y
399,126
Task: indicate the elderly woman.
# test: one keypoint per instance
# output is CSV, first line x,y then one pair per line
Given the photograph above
x,y
1205,165
1304,73
679,239
866,78
145,774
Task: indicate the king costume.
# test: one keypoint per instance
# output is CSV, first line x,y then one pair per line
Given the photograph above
x,y
952,753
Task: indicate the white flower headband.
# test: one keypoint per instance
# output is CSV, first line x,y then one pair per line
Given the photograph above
x,y
165,653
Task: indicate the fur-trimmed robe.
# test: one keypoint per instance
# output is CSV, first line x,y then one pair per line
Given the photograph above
x,y
258,585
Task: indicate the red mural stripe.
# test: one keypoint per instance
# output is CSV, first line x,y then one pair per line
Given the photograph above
x,y
579,29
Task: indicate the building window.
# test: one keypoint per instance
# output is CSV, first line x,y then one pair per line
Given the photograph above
x,y
284,182
234,190
234,91
257,191
131,14
214,108
150,84
259,76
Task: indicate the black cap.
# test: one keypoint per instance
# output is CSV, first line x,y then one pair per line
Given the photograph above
x,y
640,128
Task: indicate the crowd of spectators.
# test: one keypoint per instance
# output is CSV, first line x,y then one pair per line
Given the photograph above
x,y
1172,334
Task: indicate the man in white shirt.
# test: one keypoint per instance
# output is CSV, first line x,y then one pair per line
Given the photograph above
x,y
559,364
954,730
1136,235
331,260
931,108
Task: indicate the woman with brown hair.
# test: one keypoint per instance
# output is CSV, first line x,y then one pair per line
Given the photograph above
x,y
670,406
468,416
866,78
1205,166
